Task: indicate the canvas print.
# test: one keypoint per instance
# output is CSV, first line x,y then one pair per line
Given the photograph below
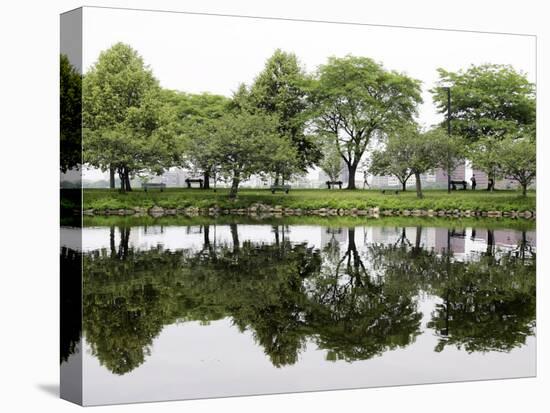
x,y
255,206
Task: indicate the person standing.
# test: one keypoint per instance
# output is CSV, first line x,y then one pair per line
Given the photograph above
x,y
365,182
474,183
490,184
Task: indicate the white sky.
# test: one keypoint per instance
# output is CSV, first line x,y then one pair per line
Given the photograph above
x,y
195,53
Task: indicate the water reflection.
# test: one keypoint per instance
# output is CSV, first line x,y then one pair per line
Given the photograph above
x,y
355,293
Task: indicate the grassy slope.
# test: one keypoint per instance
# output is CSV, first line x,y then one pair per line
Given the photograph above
x,y
311,199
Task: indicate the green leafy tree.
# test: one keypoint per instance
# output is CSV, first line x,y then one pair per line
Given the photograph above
x,y
281,90
331,163
408,152
394,158
193,112
144,142
485,156
450,151
487,101
357,99
518,159
116,84
424,153
70,113
243,144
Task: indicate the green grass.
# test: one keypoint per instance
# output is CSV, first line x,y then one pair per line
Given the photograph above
x,y
334,222
311,199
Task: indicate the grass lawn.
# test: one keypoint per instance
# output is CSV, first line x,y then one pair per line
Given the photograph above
x,y
311,199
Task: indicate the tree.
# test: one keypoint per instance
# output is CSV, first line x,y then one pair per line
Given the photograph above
x,y
451,151
518,159
243,144
145,141
394,159
485,156
357,99
193,112
424,156
117,82
70,114
331,163
489,100
281,90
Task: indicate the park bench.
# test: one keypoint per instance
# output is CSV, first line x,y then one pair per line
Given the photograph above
x,y
334,183
284,188
190,181
455,183
146,185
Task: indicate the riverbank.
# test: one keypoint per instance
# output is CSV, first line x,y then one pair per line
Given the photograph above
x,y
329,222
316,202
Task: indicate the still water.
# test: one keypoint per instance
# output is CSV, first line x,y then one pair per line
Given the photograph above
x,y
193,311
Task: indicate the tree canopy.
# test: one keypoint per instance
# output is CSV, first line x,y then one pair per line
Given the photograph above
x,y
357,99
280,89
488,100
70,112
125,119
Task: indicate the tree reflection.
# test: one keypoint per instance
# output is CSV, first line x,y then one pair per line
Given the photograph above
x,y
355,316
353,303
488,305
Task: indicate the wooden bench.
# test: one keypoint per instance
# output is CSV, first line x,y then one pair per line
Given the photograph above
x,y
334,183
284,188
146,185
390,191
189,181
455,183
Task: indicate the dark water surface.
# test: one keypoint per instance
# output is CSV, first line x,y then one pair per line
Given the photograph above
x,y
189,311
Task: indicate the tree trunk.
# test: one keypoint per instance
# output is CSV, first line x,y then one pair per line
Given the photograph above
x,y
234,188
234,236
206,177
206,236
127,179
418,186
490,242
449,180
276,182
418,238
352,168
404,186
524,191
112,240
112,177
122,180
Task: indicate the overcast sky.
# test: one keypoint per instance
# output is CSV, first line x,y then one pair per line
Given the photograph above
x,y
195,53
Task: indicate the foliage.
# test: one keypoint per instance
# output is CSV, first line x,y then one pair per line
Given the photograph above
x,y
518,159
243,144
394,158
331,163
126,123
487,101
356,99
195,113
70,115
281,90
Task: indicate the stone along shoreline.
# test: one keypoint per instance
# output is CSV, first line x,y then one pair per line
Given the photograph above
x,y
261,209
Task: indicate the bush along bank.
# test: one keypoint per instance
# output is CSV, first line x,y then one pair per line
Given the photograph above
x,y
262,209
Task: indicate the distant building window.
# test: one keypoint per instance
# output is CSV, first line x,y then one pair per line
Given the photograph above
x,y
430,177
